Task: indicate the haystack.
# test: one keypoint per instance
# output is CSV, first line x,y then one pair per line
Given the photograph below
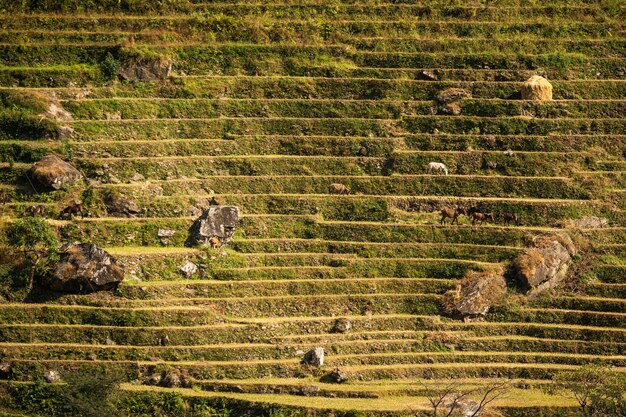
x,y
537,88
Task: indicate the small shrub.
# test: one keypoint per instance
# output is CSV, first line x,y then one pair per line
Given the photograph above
x,y
110,67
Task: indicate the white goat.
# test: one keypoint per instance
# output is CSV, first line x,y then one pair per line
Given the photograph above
x,y
436,167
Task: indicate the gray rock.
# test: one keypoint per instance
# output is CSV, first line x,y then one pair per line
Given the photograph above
x,y
120,205
65,132
145,69
138,177
84,268
171,379
452,95
188,269
309,390
216,221
5,370
546,262
430,75
314,357
153,380
166,233
451,109
338,376
55,111
341,325
52,376
590,222
449,100
465,407
53,172
477,293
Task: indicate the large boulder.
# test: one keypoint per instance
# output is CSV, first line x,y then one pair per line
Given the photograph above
x,y
216,221
145,69
121,206
52,376
449,99
477,293
337,376
589,222
55,111
314,357
53,172
451,95
537,88
84,268
546,262
341,325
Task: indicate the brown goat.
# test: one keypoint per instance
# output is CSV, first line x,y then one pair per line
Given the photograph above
x,y
73,209
4,197
510,217
337,188
481,217
214,242
453,213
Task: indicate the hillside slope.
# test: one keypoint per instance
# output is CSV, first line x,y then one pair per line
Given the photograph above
x,y
263,106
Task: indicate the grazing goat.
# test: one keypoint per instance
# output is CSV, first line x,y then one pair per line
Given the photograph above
x,y
453,213
510,217
436,167
481,217
337,188
34,210
474,210
4,197
214,242
73,209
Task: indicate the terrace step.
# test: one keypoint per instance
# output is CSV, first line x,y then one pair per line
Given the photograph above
x,y
442,365
201,289
184,128
333,87
146,108
368,407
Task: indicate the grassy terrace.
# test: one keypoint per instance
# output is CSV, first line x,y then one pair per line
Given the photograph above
x,y
266,105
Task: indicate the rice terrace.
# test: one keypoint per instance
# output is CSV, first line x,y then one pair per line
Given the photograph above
x,y
307,208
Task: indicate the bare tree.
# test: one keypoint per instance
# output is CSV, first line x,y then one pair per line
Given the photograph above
x,y
490,393
447,399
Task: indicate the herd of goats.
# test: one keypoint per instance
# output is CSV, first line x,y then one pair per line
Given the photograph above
x,y
477,215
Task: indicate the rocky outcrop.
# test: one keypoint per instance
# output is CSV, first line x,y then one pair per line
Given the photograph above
x,y
53,172
52,376
169,379
337,376
145,69
65,132
341,325
216,222
477,293
121,206
164,235
188,269
589,222
545,263
314,357
448,100
537,88
55,111
84,268
5,370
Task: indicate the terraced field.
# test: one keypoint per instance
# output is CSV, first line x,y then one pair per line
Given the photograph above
x,y
265,106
